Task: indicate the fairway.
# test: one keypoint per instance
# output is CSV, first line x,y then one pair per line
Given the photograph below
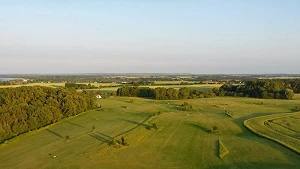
x,y
183,139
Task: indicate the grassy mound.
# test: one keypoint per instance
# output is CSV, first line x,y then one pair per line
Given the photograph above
x,y
222,150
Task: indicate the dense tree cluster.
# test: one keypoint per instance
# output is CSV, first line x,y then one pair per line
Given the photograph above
x,y
134,91
162,93
294,85
80,86
27,108
265,89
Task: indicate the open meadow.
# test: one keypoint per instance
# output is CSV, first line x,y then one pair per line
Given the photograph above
x,y
184,139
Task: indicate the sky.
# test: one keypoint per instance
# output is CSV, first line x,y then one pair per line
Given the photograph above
x,y
150,36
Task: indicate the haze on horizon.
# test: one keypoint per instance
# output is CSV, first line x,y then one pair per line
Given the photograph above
x,y
250,36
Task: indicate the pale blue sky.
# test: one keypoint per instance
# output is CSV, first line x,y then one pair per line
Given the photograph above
x,y
166,36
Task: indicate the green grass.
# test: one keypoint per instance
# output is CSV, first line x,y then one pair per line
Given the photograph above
x,y
182,141
283,128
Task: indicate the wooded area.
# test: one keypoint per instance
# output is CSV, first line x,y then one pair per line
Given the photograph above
x,y
29,108
265,89
162,93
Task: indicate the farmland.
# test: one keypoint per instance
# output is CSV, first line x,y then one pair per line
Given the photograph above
x,y
183,140
56,85
108,87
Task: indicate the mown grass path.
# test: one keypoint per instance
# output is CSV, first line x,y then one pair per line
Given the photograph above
x,y
267,127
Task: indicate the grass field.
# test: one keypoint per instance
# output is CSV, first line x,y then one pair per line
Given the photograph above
x,y
282,128
56,85
182,141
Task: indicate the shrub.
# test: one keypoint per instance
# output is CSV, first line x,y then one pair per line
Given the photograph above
x,y
214,129
123,142
67,138
112,142
187,107
229,114
154,126
185,104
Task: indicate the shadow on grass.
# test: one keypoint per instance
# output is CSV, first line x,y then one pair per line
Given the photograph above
x,y
137,123
56,86
107,139
199,127
240,122
256,165
99,137
105,135
217,148
74,124
54,133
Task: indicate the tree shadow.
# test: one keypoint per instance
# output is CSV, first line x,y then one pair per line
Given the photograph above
x,y
56,86
105,135
54,133
245,132
217,148
199,127
99,137
256,165
138,123
74,124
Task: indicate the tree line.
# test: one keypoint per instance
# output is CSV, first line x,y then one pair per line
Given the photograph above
x,y
265,89
80,86
162,93
28,108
